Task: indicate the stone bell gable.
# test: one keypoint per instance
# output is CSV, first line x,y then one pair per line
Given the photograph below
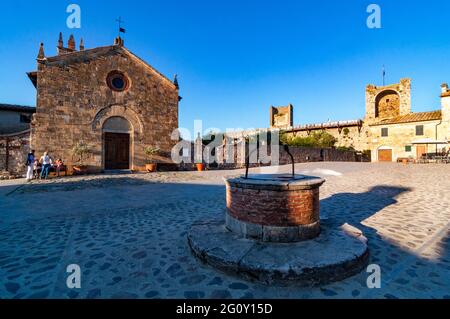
x,y
383,102
80,92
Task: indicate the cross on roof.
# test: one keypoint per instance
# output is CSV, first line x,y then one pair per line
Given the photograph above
x,y
120,21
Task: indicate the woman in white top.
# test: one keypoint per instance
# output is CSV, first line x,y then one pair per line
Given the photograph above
x,y
46,162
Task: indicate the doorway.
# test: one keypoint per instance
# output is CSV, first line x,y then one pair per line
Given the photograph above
x,y
117,151
421,150
385,155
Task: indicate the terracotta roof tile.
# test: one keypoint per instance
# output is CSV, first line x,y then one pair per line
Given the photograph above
x,y
413,117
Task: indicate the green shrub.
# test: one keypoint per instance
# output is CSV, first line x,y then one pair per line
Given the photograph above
x,y
321,139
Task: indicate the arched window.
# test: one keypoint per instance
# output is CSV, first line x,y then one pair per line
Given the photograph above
x,y
117,124
387,104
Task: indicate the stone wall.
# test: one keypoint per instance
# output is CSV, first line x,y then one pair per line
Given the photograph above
x,y
12,162
74,101
305,154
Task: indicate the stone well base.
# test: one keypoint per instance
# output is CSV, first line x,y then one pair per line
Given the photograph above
x,y
272,233
333,256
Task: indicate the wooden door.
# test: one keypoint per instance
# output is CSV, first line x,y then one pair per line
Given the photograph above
x,y
117,151
421,150
385,155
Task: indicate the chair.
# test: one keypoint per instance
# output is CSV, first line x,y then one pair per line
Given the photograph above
x,y
446,158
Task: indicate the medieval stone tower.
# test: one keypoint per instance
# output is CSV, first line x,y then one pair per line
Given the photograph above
x,y
387,102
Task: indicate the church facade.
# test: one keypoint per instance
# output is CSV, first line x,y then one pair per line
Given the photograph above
x,y
107,98
390,130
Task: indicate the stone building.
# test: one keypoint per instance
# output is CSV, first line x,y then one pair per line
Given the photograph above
x,y
15,122
15,118
390,130
107,97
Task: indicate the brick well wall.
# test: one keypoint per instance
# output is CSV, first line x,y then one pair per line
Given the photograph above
x,y
274,208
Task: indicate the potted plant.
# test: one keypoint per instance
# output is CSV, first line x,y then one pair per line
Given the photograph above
x,y
81,149
152,164
200,167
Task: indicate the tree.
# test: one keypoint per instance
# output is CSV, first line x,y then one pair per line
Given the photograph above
x,y
81,149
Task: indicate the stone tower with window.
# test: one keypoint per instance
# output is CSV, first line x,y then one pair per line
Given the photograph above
x,y
387,102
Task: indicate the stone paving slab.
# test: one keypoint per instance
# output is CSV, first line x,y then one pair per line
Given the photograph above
x,y
129,237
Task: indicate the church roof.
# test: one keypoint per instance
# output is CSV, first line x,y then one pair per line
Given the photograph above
x,y
17,108
90,54
413,117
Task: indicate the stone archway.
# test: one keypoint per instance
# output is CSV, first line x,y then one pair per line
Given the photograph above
x,y
119,111
118,127
387,104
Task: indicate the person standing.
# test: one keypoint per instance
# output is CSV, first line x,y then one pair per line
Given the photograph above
x,y
30,166
46,162
59,165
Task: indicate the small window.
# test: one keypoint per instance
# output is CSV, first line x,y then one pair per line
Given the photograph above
x,y
117,81
419,130
25,118
384,132
408,148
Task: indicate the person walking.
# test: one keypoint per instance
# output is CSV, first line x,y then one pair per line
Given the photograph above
x,y
46,162
30,166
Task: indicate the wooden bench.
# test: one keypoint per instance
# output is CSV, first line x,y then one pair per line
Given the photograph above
x,y
52,170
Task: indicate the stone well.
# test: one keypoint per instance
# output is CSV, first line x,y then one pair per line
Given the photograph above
x,y
274,208
273,234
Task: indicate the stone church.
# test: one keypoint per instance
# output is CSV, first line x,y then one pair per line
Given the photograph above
x,y
389,131
107,97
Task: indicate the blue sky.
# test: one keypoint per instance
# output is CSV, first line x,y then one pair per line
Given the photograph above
x,y
235,58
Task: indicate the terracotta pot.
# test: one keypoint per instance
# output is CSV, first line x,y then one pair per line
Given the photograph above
x,y
80,169
200,167
151,168
405,161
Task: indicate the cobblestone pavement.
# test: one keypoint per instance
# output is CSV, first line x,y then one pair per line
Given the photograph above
x,y
128,233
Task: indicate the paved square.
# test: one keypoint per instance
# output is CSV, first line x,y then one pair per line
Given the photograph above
x,y
128,233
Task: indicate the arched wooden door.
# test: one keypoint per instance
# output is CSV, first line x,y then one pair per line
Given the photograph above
x,y
117,143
